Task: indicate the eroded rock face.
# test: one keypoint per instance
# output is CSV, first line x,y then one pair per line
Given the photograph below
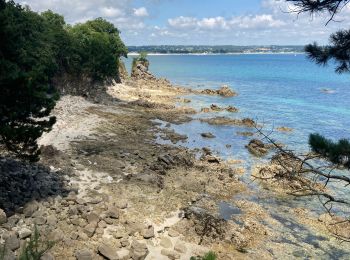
x,y
140,71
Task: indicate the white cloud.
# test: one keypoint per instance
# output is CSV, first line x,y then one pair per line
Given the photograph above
x,y
221,23
140,12
273,23
110,11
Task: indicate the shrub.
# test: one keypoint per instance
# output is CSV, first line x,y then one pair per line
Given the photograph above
x,y
35,248
208,256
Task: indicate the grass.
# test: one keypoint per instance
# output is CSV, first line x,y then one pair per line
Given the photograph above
x,y
35,248
208,256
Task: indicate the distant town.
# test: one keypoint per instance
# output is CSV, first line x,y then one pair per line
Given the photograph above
x,y
219,49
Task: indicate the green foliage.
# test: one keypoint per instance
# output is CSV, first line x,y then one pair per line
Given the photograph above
x,y
208,256
143,56
96,48
33,50
27,62
2,251
338,50
36,247
336,152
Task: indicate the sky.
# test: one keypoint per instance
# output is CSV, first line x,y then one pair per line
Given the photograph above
x,y
201,22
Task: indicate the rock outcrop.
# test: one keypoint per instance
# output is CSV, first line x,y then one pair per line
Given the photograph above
x,y
224,91
257,148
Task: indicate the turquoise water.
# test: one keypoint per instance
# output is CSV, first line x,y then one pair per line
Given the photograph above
x,y
274,90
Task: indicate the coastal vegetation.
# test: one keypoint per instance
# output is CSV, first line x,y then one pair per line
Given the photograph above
x,y
35,49
111,183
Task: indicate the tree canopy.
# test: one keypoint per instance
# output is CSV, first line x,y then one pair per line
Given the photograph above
x,y
339,51
33,49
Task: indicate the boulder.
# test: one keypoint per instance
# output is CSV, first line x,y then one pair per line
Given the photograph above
x,y
180,247
166,242
51,220
173,233
138,251
47,256
84,254
3,217
257,148
12,241
232,109
93,218
171,254
113,213
215,107
90,229
225,91
123,254
108,252
148,232
23,233
207,135
30,209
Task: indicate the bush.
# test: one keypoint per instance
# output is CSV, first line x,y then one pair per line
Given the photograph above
x,y
27,63
33,50
208,256
96,48
35,248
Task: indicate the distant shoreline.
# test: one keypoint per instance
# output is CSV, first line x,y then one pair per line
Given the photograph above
x,y
216,54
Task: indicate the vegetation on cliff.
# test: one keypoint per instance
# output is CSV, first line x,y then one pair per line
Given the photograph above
x,y
34,48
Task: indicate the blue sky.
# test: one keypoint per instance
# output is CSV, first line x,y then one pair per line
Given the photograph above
x,y
208,22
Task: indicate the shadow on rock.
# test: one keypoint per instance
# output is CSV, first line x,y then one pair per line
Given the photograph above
x,y
22,182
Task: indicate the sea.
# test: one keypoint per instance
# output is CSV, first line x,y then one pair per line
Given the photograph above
x,y
275,90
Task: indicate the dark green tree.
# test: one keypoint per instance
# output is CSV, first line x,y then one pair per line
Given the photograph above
x,y
338,51
27,62
97,48
35,49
